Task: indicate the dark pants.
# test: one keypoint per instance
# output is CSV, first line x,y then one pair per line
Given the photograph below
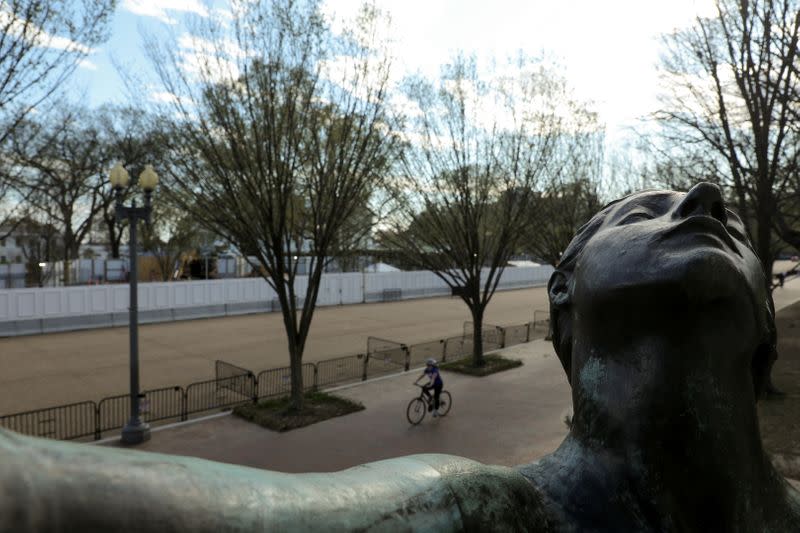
x,y
437,391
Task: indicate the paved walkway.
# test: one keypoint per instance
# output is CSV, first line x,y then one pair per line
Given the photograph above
x,y
788,294
59,368
508,418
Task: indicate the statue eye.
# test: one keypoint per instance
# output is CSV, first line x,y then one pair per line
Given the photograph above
x,y
636,216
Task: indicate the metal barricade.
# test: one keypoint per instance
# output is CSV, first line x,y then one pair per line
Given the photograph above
x,y
219,394
277,382
340,370
64,422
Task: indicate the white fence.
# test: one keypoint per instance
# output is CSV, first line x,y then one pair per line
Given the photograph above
x,y
43,310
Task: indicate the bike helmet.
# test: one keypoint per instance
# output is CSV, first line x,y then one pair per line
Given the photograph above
x,y
430,361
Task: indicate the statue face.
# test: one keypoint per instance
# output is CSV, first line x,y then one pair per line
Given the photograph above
x,y
667,304
682,245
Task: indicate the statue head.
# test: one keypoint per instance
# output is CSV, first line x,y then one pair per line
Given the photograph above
x,y
669,265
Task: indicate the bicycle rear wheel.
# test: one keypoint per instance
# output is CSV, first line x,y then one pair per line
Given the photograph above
x,y
416,411
445,401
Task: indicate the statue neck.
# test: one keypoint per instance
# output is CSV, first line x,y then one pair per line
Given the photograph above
x,y
669,426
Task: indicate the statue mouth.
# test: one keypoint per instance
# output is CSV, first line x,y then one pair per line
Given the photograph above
x,y
707,229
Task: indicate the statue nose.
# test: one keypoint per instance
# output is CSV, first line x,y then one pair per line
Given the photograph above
x,y
703,199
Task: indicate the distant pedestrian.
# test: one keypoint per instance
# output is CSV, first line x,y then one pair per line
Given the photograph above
x,y
781,278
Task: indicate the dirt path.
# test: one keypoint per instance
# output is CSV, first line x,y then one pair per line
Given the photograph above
x,y
46,370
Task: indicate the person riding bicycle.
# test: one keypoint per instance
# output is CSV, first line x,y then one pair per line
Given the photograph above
x,y
434,382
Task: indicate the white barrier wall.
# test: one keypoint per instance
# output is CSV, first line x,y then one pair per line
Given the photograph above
x,y
41,310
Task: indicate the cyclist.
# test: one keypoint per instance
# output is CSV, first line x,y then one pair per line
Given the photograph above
x,y
434,382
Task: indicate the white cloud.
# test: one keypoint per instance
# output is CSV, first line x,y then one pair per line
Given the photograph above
x,y
159,8
210,60
87,64
609,49
163,97
17,27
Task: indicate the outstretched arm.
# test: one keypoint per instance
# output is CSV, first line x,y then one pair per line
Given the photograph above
x,y
57,486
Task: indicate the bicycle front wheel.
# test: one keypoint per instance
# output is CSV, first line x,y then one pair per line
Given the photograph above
x,y
416,411
445,401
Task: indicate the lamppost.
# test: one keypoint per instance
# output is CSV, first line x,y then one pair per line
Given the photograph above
x,y
135,431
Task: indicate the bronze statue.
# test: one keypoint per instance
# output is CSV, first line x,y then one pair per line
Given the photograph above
x,y
662,321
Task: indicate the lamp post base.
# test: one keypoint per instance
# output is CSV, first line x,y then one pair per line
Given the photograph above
x,y
135,433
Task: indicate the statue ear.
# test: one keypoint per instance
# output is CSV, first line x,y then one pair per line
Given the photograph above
x,y
558,289
560,321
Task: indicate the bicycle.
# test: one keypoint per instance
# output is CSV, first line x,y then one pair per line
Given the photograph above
x,y
419,406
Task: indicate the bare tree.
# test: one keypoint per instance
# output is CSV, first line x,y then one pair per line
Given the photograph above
x,y
283,133
731,104
479,143
570,197
62,163
728,114
134,139
557,214
168,237
40,243
41,44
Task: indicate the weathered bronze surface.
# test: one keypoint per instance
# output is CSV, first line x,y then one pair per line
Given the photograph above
x,y
662,322
58,486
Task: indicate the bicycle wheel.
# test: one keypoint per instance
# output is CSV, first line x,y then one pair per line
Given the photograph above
x,y
416,411
445,402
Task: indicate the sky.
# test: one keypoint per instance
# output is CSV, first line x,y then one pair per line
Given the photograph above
x,y
609,50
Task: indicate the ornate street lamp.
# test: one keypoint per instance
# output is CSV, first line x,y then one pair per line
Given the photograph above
x,y
135,431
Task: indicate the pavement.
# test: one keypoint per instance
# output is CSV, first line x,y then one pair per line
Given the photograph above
x,y
786,295
59,368
508,418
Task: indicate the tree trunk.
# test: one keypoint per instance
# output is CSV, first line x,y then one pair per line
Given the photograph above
x,y
296,348
477,335
764,247
67,263
296,399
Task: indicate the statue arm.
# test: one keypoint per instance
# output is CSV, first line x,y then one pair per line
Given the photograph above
x,y
57,486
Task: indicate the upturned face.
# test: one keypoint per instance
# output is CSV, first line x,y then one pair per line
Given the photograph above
x,y
688,244
666,305
662,317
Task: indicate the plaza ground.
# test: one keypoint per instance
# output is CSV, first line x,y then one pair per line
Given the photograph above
x,y
59,368
510,418
507,418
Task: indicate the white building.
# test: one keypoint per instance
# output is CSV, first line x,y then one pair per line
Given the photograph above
x,y
10,251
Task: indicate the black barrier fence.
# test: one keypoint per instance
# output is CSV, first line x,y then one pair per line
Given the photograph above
x,y
216,394
492,336
65,422
383,353
277,382
166,403
341,370
419,353
516,334
223,369
234,385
